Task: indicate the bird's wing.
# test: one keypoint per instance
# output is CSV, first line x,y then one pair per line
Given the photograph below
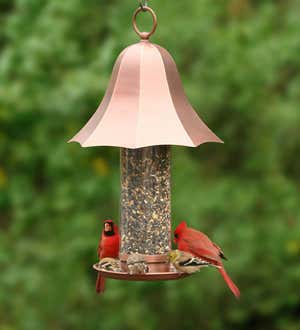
x,y
221,253
109,264
193,262
201,246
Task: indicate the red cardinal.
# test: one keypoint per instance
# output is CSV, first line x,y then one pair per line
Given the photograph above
x,y
198,244
109,247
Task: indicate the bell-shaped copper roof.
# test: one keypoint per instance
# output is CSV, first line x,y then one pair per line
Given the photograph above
x,y
144,105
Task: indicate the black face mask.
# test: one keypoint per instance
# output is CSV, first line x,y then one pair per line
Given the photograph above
x,y
110,232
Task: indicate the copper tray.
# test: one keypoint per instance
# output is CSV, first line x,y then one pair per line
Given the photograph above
x,y
172,274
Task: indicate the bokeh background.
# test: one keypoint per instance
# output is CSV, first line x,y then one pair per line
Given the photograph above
x,y
240,65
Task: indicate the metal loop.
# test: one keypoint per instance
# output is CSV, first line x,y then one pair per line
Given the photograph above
x,y
144,35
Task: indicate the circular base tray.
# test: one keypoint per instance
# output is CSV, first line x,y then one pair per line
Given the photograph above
x,y
173,274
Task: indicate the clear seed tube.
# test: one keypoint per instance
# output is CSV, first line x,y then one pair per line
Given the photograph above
x,y
146,200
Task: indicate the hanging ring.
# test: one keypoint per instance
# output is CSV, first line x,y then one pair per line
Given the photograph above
x,y
144,35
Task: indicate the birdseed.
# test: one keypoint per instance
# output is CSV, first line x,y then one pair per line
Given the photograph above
x,y
146,200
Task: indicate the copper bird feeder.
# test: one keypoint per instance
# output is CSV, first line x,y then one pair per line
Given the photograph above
x,y
146,107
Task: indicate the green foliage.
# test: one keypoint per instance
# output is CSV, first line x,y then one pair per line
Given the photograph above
x,y
240,64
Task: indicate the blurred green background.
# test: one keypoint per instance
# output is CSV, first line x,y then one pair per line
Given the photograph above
x,y
240,64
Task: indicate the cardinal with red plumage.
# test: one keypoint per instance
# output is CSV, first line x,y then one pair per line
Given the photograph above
x,y
109,247
198,244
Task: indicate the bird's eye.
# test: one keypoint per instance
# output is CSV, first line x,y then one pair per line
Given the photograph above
x,y
176,235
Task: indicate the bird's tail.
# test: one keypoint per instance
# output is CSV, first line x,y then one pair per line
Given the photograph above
x,y
235,290
100,284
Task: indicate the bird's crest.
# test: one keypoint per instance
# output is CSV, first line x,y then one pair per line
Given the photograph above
x,y
182,226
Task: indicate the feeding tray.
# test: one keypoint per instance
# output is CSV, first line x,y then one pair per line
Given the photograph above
x,y
172,274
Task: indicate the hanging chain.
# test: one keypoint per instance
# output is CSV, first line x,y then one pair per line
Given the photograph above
x,y
143,4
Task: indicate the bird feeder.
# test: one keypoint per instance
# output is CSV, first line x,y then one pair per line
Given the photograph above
x,y
147,110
